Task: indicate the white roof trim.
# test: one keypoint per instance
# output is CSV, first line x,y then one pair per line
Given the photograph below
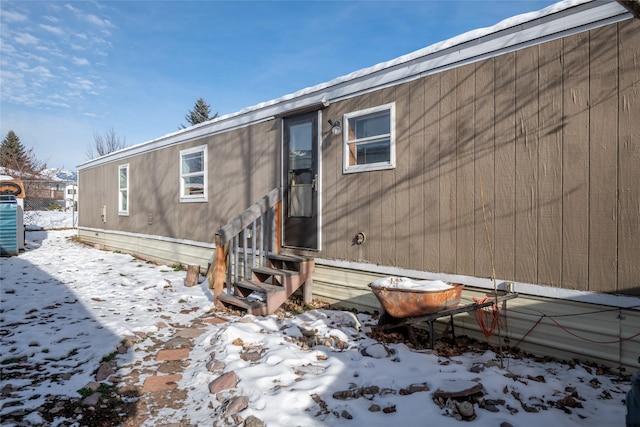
x,y
556,21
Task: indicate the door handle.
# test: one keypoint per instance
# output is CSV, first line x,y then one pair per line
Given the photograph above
x,y
314,183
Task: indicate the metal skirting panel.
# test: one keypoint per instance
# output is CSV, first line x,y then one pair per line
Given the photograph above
x,y
160,251
559,328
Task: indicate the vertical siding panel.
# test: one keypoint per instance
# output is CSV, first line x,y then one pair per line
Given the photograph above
x,y
388,196
629,143
550,165
465,137
575,163
375,241
603,159
362,199
505,165
416,175
354,194
447,173
484,166
402,186
346,219
331,172
526,165
431,173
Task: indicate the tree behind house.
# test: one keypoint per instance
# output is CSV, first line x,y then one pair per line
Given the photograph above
x,y
199,114
17,160
105,144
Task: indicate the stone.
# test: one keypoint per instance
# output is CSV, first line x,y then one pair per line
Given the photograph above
x,y
123,349
377,351
177,354
476,369
414,388
466,409
92,385
251,356
505,424
450,389
104,371
236,404
215,320
177,342
253,421
375,408
92,400
160,383
223,382
214,365
189,333
346,415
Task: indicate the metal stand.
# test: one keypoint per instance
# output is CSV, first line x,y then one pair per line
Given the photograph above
x,y
388,322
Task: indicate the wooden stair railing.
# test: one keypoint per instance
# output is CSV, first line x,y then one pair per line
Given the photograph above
x,y
247,259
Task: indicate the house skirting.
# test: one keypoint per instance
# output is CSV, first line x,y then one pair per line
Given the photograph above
x,y
158,249
564,328
543,321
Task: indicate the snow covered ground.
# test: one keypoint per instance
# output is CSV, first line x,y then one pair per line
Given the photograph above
x,y
65,306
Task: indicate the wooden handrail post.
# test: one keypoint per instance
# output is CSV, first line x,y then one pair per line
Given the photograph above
x,y
278,226
219,269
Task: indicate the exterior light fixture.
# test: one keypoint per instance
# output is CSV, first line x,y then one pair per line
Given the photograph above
x,y
336,129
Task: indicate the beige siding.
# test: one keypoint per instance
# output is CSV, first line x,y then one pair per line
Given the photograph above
x,y
548,130
629,158
154,207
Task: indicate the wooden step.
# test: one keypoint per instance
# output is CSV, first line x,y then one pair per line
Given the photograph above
x,y
274,276
288,262
252,285
242,303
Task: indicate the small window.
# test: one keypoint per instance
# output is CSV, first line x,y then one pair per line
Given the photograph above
x,y
369,139
193,174
123,189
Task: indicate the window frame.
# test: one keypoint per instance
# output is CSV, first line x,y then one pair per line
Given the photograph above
x,y
391,164
127,198
194,198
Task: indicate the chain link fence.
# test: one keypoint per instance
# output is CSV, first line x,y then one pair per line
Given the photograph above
x,y
37,204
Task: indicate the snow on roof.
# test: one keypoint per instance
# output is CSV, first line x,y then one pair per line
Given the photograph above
x,y
511,33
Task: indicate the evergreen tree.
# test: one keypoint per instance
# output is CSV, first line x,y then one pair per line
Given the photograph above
x,y
13,154
17,160
199,114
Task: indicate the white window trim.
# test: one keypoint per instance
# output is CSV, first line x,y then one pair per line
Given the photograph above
x,y
200,197
124,212
346,167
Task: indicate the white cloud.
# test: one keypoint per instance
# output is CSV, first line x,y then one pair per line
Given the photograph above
x,y
81,83
52,19
72,9
41,71
98,21
10,16
53,30
80,61
26,39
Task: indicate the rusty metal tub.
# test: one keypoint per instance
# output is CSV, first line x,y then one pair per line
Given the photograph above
x,y
402,302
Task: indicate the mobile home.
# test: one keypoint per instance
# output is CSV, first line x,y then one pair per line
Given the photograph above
x,y
512,149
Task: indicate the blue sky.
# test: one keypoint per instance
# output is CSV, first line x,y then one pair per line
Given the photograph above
x,y
71,69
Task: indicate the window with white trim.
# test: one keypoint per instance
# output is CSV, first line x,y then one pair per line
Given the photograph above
x,y
123,189
193,174
369,139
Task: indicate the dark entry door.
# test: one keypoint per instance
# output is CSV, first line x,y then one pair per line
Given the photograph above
x,y
301,181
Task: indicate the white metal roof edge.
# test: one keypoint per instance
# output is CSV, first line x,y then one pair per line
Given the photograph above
x,y
558,20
